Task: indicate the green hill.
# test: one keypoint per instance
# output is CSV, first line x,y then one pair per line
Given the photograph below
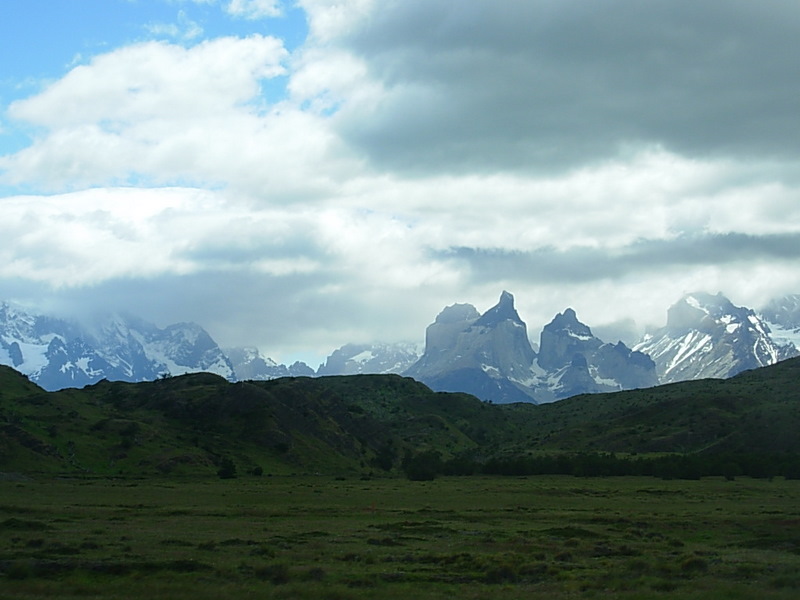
x,y
202,424
756,411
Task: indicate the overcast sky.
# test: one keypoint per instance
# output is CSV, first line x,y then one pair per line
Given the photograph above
x,y
299,175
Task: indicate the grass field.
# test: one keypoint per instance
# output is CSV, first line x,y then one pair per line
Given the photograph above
x,y
470,537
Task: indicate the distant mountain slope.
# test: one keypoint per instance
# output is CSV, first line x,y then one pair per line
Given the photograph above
x,y
707,336
356,359
783,317
577,362
249,364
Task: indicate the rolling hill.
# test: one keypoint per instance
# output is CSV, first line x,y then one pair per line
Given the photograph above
x,y
200,423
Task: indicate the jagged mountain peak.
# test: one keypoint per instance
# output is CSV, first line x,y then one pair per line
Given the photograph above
x,y
502,311
249,364
377,358
563,338
783,316
569,323
465,351
245,354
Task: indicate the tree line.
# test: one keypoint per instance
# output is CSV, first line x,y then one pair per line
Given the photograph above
x,y
429,464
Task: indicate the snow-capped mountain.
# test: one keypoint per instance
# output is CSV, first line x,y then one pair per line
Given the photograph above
x,y
249,364
783,317
355,359
57,353
707,336
491,357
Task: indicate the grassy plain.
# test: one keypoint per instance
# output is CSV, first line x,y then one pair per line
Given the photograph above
x,y
471,537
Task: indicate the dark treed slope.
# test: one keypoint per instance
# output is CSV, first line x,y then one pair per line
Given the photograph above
x,y
755,411
193,423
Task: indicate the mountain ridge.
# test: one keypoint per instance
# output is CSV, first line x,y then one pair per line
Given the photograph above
x,y
491,356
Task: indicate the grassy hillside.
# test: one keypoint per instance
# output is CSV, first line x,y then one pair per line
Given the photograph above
x,y
756,411
202,424
194,423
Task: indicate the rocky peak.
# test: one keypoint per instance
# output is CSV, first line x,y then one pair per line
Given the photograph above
x,y
568,323
482,349
457,313
503,311
700,311
563,338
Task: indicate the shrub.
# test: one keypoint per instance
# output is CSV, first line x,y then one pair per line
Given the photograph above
x,y
424,466
227,470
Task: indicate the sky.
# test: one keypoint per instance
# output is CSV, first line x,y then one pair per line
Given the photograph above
x,y
297,175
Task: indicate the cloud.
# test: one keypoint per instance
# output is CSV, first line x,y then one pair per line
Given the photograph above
x,y
549,86
330,21
155,109
185,28
254,9
587,264
161,114
411,154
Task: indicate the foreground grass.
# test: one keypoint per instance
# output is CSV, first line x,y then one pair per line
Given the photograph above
x,y
475,537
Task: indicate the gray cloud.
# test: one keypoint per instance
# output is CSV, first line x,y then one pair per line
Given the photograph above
x,y
545,85
584,265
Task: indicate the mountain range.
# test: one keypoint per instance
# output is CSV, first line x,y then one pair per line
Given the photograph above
x,y
57,353
489,355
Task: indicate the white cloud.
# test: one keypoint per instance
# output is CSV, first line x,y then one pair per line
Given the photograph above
x,y
185,28
254,9
168,113
157,80
331,20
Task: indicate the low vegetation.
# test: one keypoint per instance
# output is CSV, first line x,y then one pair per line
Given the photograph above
x,y
340,538
377,487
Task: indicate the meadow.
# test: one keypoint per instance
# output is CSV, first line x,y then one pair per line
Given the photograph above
x,y
473,537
